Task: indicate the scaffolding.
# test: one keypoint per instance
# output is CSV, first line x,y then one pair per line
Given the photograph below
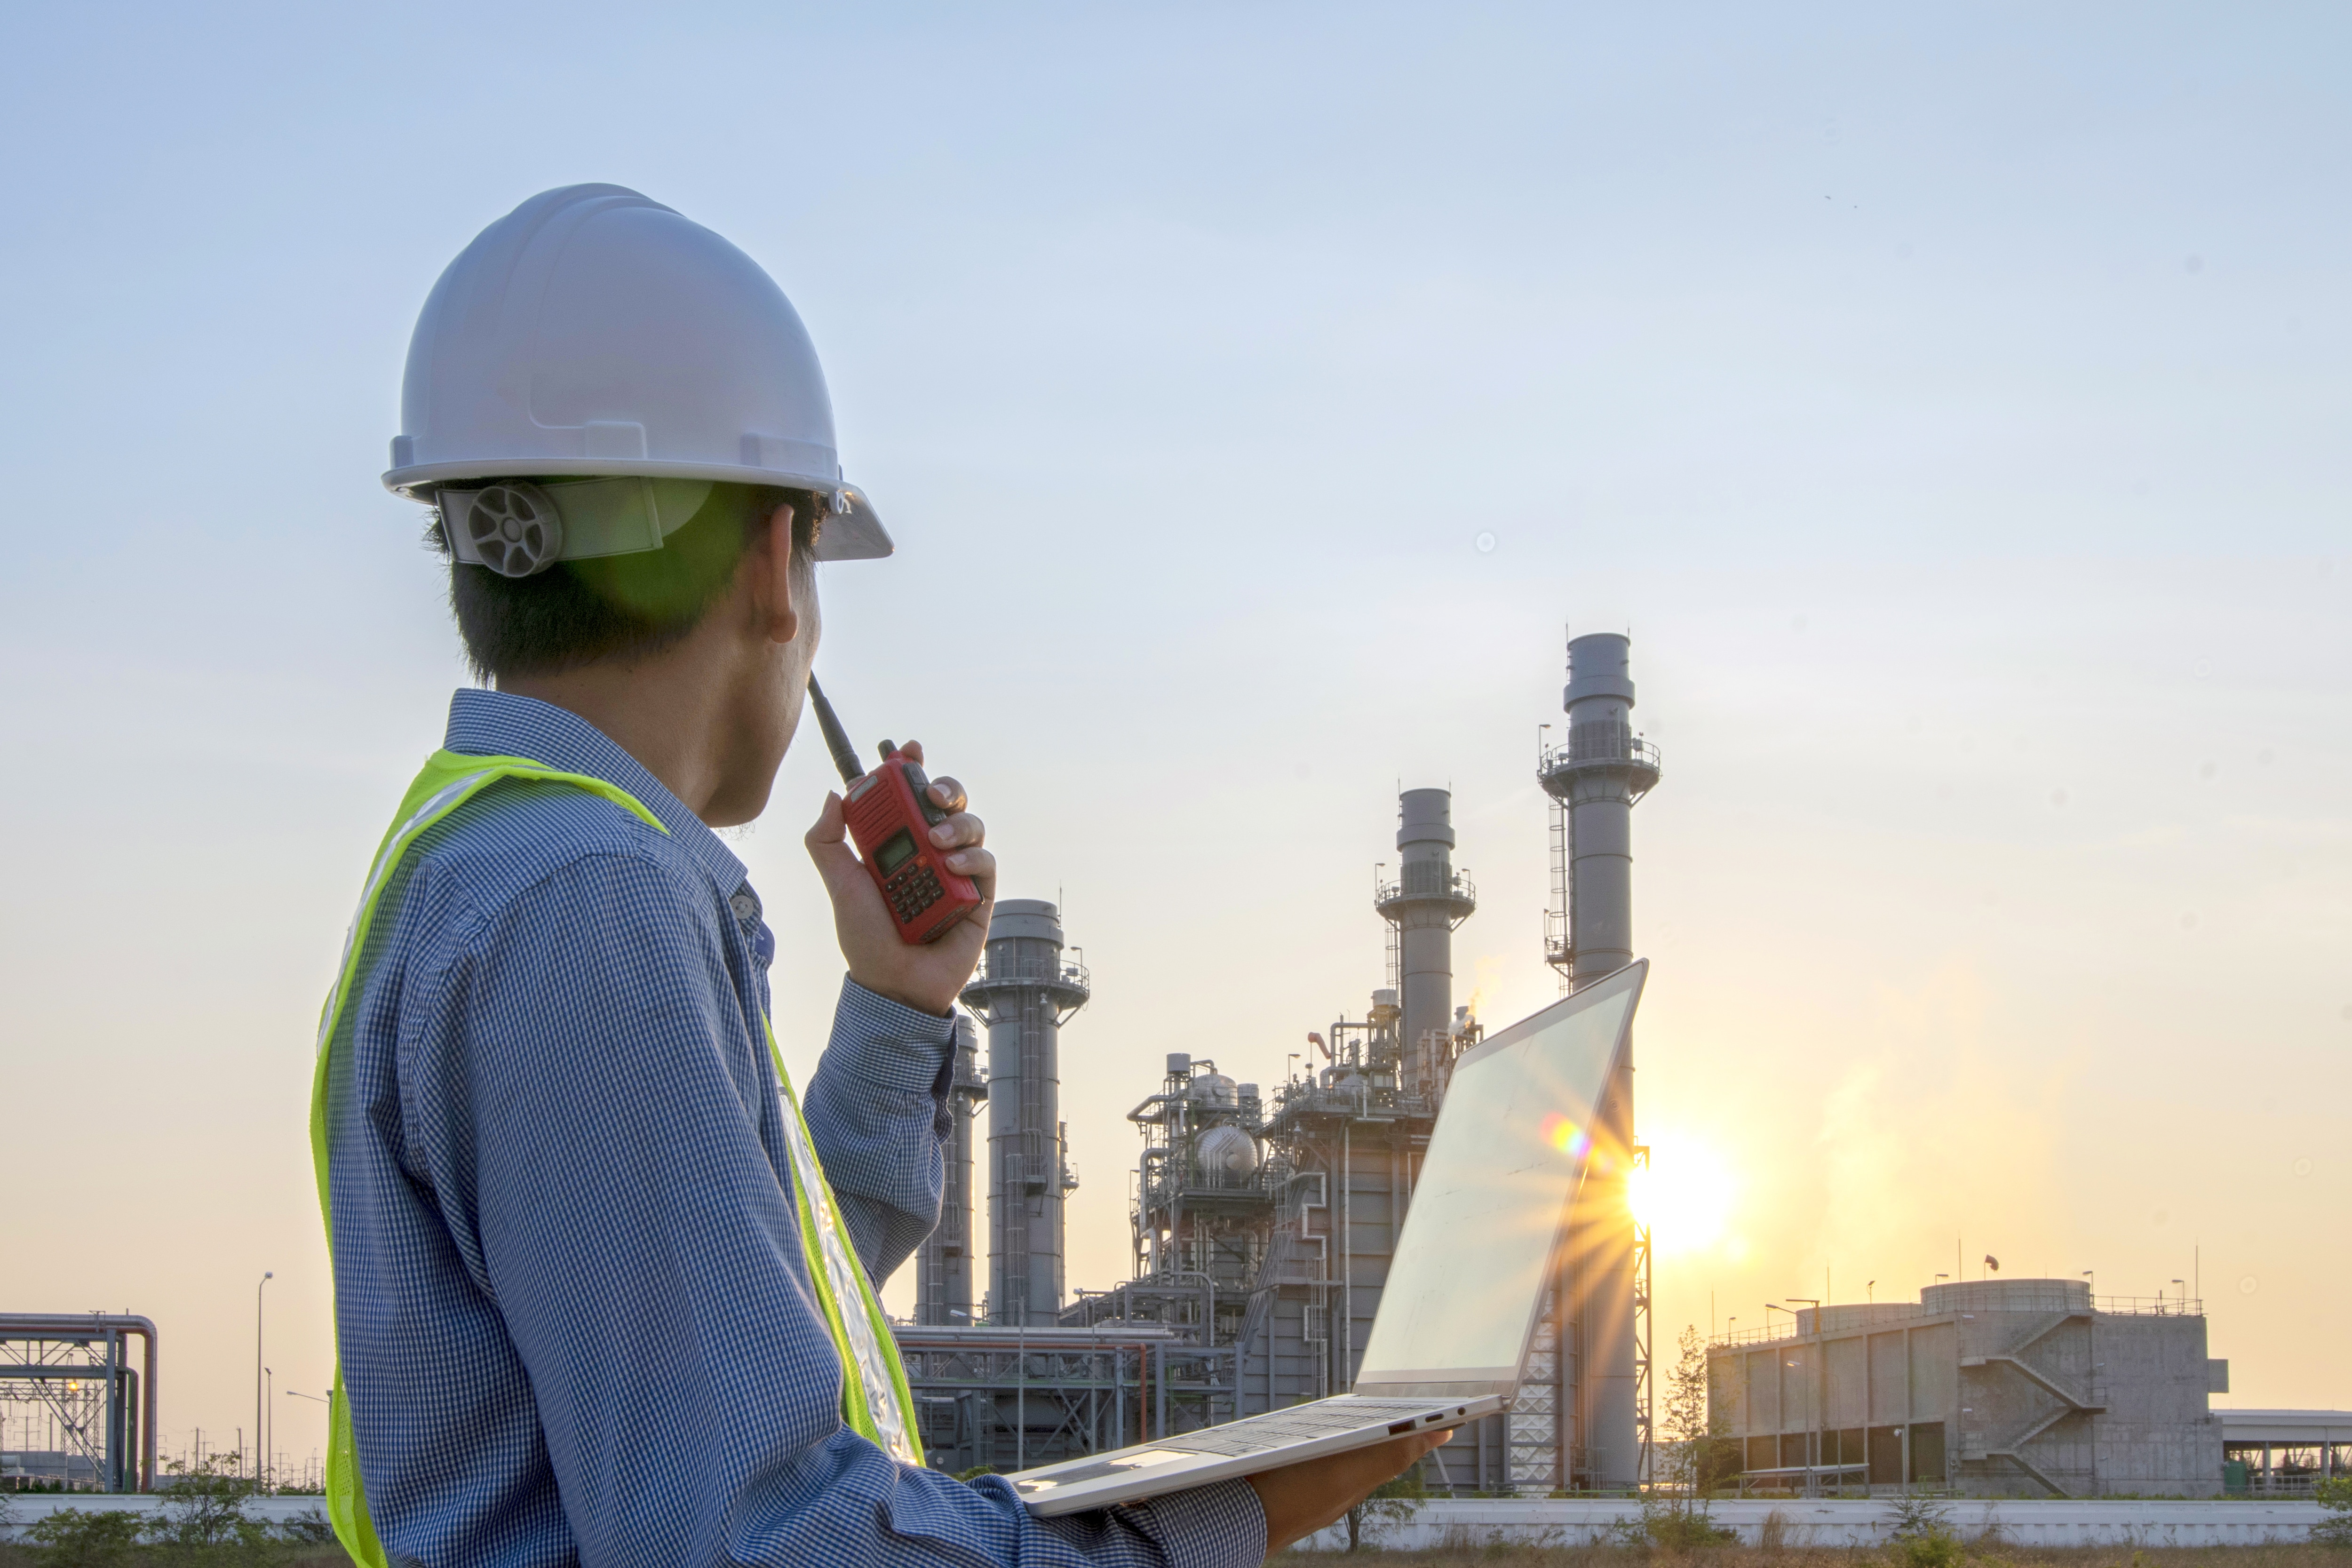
x,y
1014,1399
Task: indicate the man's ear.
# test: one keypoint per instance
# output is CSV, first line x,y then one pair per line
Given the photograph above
x,y
772,558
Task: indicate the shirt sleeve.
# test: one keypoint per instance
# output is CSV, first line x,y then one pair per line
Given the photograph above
x,y
602,1167
878,1112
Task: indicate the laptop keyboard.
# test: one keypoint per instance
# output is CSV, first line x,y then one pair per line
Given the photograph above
x,y
1277,1428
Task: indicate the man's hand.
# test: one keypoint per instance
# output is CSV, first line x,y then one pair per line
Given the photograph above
x,y
926,977
1300,1499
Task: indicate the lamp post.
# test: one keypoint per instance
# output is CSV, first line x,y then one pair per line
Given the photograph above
x,y
1814,1415
260,1401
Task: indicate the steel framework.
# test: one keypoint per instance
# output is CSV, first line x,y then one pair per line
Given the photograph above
x,y
74,1371
1009,1399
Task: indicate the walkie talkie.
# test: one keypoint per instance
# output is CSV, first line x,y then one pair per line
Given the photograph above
x,y
891,815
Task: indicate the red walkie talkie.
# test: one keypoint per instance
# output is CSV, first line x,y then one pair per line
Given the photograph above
x,y
891,814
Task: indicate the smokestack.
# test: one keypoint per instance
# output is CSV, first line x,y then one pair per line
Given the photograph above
x,y
1426,901
1025,992
943,1266
1597,777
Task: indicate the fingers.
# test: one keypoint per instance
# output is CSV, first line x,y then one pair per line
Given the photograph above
x,y
949,793
828,844
963,828
977,864
830,827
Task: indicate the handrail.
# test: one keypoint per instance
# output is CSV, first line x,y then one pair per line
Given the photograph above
x,y
1018,971
1887,1313
1599,744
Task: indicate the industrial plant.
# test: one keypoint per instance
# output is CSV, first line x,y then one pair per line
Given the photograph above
x,y
1263,1226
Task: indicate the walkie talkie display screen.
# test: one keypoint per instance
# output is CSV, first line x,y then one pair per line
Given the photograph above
x,y
895,851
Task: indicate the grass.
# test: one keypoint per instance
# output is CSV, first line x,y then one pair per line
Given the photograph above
x,y
1989,1556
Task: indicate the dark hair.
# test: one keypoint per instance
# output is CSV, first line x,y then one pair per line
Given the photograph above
x,y
577,612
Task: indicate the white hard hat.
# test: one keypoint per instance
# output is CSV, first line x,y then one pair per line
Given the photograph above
x,y
594,332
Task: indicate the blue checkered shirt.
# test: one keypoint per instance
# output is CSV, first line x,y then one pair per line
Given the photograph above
x,y
575,1320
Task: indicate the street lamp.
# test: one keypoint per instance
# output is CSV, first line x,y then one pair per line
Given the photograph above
x,y
260,1401
1814,1415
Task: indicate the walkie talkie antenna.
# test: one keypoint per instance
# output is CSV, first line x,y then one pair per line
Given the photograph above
x,y
836,740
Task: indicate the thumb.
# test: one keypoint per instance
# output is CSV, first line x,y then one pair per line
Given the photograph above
x,y
828,846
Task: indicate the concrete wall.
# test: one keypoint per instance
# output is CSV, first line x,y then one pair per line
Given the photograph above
x,y
1569,1521
1468,1524
2015,1388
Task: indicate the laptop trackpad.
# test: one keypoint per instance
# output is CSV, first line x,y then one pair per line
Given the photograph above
x,y
1112,1466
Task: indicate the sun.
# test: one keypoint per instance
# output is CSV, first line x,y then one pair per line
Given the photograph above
x,y
1686,1195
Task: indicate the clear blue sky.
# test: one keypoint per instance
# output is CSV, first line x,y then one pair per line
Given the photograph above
x,y
1949,400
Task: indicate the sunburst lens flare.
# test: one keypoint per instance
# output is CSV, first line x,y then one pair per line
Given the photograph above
x,y
1684,1195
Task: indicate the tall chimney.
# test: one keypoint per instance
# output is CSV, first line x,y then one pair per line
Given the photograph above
x,y
1597,777
1426,901
1025,992
943,1265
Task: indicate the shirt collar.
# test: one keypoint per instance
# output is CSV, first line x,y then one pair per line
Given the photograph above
x,y
502,724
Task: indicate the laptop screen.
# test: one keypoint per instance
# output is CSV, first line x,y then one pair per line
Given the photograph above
x,y
1507,1153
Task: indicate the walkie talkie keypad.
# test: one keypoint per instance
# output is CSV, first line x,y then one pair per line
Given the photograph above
x,y
913,891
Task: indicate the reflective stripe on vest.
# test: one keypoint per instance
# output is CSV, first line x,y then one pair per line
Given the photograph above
x,y
861,1335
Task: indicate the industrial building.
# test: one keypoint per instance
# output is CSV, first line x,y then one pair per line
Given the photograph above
x,y
2283,1453
1263,1225
1991,1388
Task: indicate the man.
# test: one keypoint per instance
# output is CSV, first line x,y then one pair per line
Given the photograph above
x,y
604,1293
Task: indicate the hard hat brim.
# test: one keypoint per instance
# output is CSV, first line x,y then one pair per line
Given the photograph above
x,y
852,532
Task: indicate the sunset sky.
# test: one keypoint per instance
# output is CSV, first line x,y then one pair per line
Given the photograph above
x,y
1949,401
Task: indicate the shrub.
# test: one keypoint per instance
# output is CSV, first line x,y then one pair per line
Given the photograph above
x,y
203,1505
1393,1502
1922,1536
72,1538
2335,1495
308,1528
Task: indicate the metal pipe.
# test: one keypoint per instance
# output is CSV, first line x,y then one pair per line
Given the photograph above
x,y
90,1326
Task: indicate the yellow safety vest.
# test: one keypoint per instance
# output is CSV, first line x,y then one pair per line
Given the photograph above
x,y
853,1314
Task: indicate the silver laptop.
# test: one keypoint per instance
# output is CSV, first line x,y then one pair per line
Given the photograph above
x,y
1451,1338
